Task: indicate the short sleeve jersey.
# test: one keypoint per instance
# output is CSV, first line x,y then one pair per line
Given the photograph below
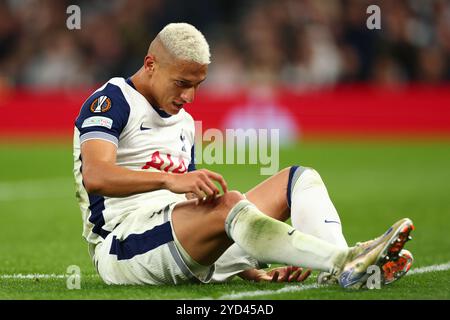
x,y
147,139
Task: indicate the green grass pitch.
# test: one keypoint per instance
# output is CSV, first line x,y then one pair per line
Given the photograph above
x,y
372,185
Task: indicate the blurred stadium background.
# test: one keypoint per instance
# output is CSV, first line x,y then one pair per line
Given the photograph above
x,y
370,109
306,67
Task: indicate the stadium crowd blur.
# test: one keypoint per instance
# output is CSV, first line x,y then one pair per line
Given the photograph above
x,y
304,44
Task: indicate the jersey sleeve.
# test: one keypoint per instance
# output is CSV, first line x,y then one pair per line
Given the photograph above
x,y
104,115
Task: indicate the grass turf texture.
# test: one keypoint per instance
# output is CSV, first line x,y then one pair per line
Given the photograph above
x,y
372,185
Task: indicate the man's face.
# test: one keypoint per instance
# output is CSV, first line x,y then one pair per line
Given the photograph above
x,y
174,83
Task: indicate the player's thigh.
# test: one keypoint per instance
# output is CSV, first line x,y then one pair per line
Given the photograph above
x,y
200,228
270,195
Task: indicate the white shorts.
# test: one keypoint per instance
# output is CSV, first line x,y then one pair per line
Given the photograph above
x,y
144,249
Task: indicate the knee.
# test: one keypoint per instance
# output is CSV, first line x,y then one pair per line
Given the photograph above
x,y
309,177
231,198
297,171
313,176
227,202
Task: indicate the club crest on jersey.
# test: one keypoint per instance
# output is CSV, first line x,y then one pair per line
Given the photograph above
x,y
101,104
182,138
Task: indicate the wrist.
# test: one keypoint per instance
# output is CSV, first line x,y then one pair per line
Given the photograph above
x,y
249,274
167,180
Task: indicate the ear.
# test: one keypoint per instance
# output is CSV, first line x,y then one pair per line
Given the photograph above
x,y
149,63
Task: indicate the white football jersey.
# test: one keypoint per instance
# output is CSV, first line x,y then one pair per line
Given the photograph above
x,y
147,139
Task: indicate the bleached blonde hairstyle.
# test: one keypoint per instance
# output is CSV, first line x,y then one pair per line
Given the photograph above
x,y
185,42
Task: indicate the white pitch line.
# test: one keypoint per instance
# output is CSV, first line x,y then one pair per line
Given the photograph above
x,y
240,295
39,276
33,276
256,293
433,268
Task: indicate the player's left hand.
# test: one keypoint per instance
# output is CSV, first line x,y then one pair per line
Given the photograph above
x,y
280,274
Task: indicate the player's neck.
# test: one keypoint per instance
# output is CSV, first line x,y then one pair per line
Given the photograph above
x,y
138,82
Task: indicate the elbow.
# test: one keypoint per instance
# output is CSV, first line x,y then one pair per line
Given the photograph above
x,y
92,182
92,187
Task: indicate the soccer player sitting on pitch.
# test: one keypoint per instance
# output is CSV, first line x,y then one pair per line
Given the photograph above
x,y
133,153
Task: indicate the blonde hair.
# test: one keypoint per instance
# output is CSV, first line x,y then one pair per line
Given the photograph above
x,y
185,42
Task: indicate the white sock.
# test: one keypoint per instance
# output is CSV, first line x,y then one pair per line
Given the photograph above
x,y
271,241
312,211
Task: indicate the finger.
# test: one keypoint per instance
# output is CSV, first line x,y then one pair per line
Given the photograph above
x,y
202,200
275,276
210,199
299,275
217,177
211,185
295,275
304,276
206,189
198,193
295,268
287,272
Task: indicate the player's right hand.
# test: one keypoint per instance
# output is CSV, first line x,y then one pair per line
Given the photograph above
x,y
199,182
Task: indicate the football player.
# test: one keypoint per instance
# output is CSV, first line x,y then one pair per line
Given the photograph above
x,y
151,218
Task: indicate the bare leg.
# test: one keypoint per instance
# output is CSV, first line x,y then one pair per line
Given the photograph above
x,y
205,230
200,228
270,196
206,244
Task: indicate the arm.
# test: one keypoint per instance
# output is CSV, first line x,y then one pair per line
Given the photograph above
x,y
102,176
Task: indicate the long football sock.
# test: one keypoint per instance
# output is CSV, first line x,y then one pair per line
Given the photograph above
x,y
312,211
271,241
